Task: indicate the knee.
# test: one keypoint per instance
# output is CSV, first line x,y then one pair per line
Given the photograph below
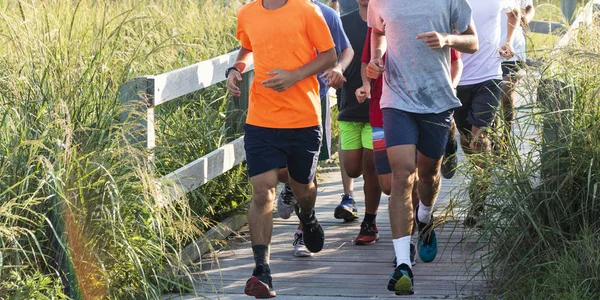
x,y
403,177
480,142
352,170
302,191
262,195
428,178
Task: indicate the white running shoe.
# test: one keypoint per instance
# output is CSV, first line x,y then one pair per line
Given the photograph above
x,y
299,248
285,202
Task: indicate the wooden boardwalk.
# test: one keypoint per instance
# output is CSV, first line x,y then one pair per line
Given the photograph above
x,y
341,269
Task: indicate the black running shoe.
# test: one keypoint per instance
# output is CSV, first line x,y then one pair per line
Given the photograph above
x,y
312,232
401,280
260,285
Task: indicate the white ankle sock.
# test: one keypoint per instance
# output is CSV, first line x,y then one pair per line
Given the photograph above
x,y
424,213
402,249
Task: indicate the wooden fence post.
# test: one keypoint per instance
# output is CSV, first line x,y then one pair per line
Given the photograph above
x,y
557,99
568,8
137,98
237,107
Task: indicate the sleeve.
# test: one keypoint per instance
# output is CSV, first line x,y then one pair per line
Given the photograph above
x,y
525,3
366,54
509,5
317,29
339,36
241,33
460,15
454,55
374,19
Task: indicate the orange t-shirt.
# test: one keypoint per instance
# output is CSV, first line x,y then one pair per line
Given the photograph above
x,y
284,38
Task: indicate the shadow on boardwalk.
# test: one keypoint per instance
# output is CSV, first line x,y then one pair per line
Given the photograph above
x,y
341,269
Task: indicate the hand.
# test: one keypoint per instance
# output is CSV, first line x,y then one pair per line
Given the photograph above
x,y
282,80
507,51
334,77
232,78
375,68
363,93
433,40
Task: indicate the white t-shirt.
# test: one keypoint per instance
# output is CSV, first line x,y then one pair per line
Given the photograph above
x,y
519,41
484,64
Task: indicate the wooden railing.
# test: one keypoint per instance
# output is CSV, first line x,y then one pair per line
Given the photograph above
x,y
159,89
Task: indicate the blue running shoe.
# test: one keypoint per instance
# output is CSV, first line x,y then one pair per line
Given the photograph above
x,y
346,210
401,281
427,243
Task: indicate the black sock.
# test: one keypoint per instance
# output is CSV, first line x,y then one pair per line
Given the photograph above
x,y
305,216
369,218
261,258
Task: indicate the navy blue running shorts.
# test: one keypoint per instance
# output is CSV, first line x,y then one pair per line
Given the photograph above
x,y
272,148
429,132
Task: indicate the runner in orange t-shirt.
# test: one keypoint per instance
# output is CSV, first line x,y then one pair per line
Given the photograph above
x,y
281,38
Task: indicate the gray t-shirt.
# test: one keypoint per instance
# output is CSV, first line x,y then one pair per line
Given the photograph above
x,y
417,79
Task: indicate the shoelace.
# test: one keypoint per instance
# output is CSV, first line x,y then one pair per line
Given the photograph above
x,y
299,240
367,229
287,197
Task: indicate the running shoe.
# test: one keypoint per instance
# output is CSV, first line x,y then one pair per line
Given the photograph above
x,y
368,234
347,209
427,242
285,202
312,232
401,281
299,247
260,285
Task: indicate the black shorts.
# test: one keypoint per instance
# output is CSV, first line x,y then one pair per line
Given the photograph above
x,y
511,68
271,148
479,104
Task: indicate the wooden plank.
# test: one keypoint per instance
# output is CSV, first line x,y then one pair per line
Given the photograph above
x,y
200,171
193,251
136,98
547,27
177,83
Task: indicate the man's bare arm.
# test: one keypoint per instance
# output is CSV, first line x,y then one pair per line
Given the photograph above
x,y
335,76
456,69
244,58
284,79
465,42
514,21
378,43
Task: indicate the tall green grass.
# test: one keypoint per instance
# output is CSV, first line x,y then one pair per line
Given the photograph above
x,y
541,229
80,214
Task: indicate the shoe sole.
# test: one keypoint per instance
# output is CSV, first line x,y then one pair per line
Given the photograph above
x,y
258,289
303,254
401,286
359,243
340,213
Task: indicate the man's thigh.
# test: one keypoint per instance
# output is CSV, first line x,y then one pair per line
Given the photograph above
x,y
263,150
433,133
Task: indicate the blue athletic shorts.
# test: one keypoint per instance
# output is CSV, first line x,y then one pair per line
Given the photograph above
x,y
429,132
271,148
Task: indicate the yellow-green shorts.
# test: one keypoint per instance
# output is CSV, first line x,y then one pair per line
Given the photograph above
x,y
356,135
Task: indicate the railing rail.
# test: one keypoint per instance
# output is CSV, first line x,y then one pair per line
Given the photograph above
x,y
159,89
